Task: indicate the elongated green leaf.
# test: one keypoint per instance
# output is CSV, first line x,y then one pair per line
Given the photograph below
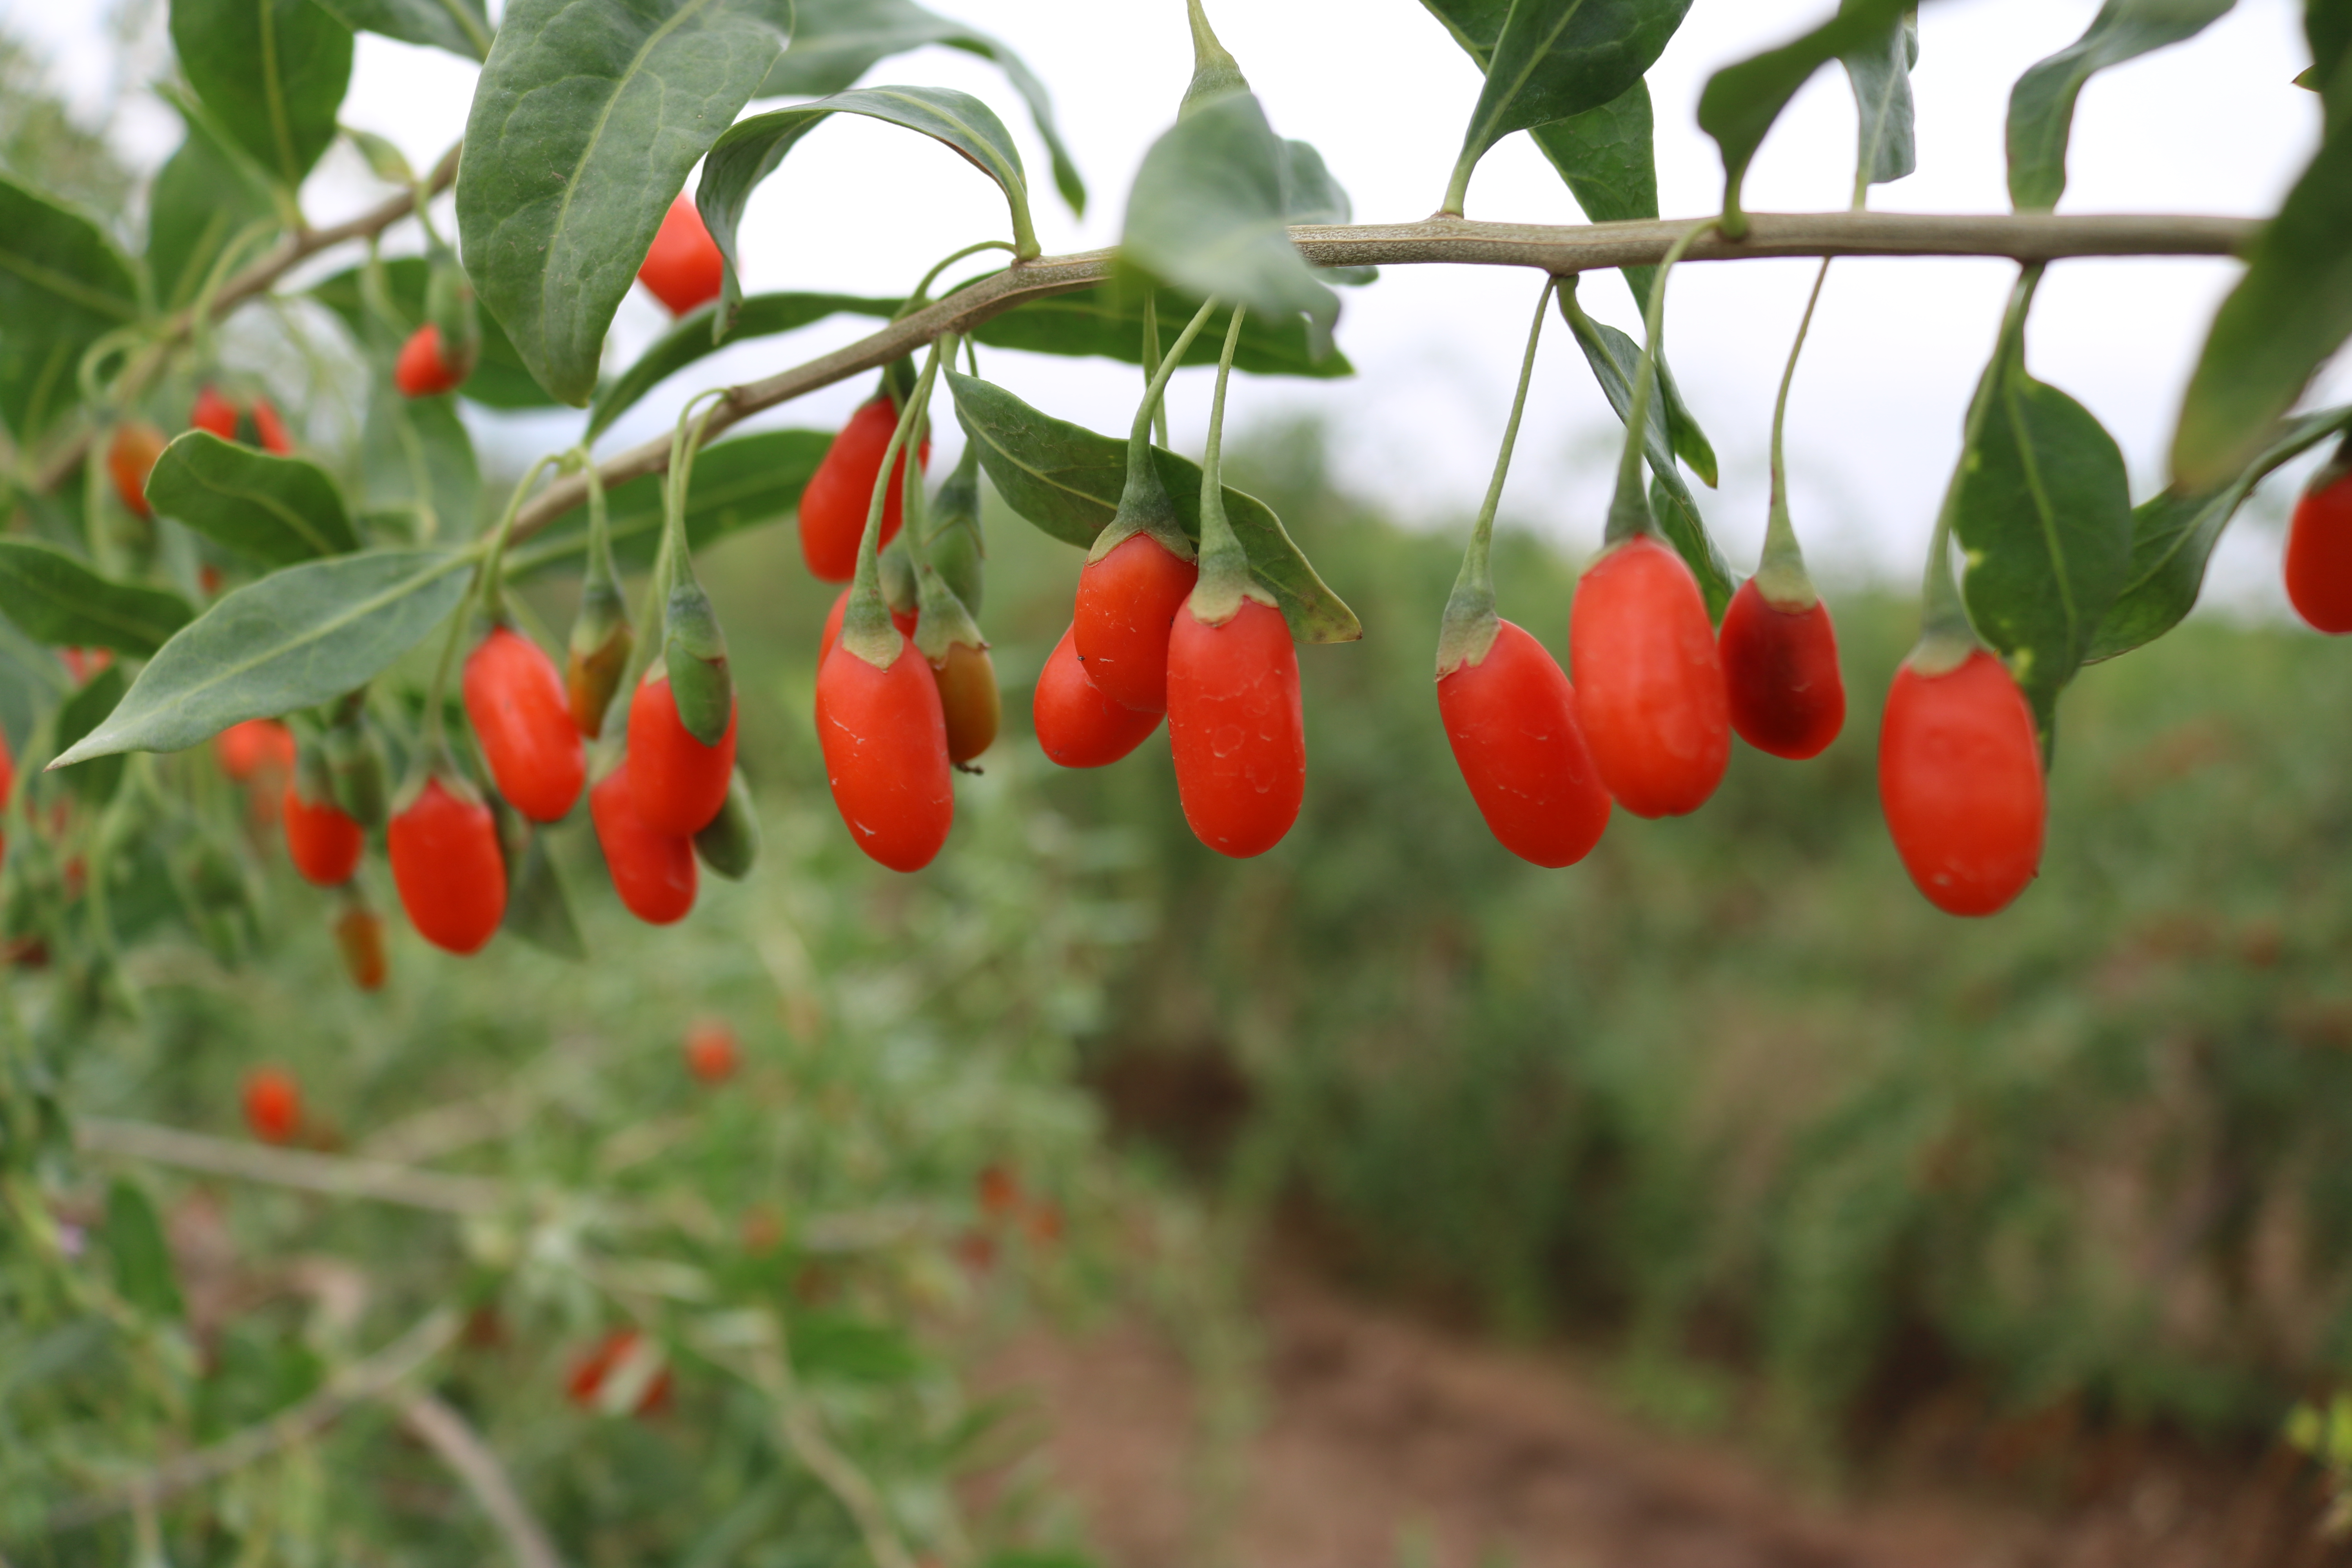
x,y
62,286
96,781
1554,59
272,73
585,125
417,462
738,484
2042,105
277,511
295,639
2328,25
31,679
2173,536
1312,194
761,315
204,198
142,1263
2291,310
57,599
500,379
1880,73
1208,213
459,27
1615,357
1740,102
2044,515
750,151
1107,321
1066,479
834,42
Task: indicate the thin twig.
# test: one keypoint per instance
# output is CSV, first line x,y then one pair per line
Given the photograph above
x,y
335,1175
291,252
2019,237
449,1435
356,1384
804,1433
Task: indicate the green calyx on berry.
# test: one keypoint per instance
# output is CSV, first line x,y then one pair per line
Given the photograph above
x,y
694,652
957,551
865,626
1144,506
730,843
359,778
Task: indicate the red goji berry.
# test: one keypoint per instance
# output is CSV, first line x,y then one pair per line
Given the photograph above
x,y
886,754
1780,675
130,458
999,1191
1511,719
324,845
2318,563
1125,613
1236,729
654,872
588,1374
969,700
270,428
358,936
423,369
1649,684
273,1105
222,416
254,747
683,267
522,717
82,663
838,495
710,1050
213,413
1959,777
446,862
1078,726
676,783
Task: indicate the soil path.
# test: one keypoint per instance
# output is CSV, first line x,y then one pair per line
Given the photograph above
x,y
1386,1442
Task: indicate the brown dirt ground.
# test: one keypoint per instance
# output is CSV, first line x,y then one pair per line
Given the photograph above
x,y
1386,1440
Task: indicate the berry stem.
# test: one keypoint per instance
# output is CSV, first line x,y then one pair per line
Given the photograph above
x,y
1143,503
1151,364
1780,575
865,628
921,296
1629,510
1224,580
1470,626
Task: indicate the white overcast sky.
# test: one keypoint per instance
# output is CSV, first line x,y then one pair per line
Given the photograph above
x,y
2212,126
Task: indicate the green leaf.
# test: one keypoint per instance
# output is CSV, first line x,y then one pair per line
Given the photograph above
x,y
95,782
834,42
1676,510
738,484
416,459
205,197
1556,58
2328,23
295,639
2042,513
31,681
585,121
1066,479
58,600
828,1347
62,286
272,72
750,151
1740,102
1615,357
1609,159
1311,193
761,315
2042,105
1107,321
2291,310
2173,536
1208,213
143,1262
1880,74
538,906
461,26
277,511
500,379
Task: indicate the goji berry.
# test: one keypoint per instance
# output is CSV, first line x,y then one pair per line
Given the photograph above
x,y
654,872
256,746
273,1105
324,844
1511,719
213,413
1000,1193
1959,777
223,417
446,862
423,369
676,783
1780,675
516,703
969,700
1236,729
710,1050
130,458
82,663
886,754
1649,683
834,504
274,436
588,1374
683,267
1078,726
2319,556
1125,613
358,936
7,787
